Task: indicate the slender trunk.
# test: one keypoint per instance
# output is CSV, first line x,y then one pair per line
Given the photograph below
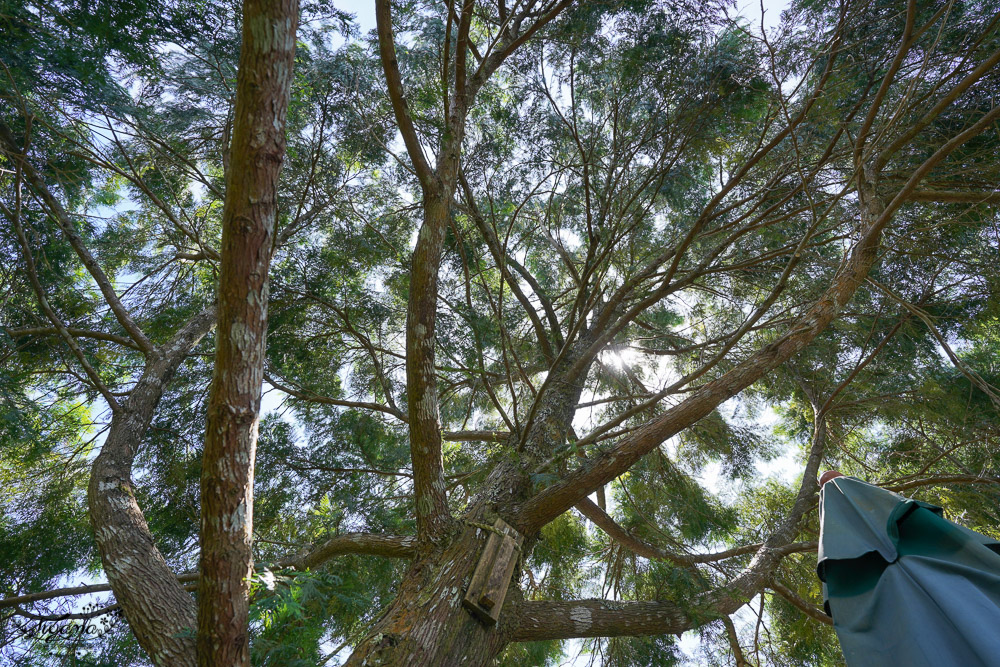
x,y
258,148
421,378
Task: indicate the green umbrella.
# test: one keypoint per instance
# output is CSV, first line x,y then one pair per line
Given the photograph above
x,y
904,585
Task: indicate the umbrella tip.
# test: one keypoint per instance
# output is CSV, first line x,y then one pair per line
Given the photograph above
x,y
828,475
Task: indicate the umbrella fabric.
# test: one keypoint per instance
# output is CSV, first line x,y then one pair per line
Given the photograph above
x,y
905,586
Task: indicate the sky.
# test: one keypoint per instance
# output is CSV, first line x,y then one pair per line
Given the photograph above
x,y
364,12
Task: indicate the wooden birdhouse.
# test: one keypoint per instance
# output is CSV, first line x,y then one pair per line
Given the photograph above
x,y
490,581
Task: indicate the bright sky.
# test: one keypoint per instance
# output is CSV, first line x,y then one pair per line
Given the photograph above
x,y
364,12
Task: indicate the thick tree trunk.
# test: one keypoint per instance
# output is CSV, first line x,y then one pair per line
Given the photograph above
x,y
258,148
159,611
427,624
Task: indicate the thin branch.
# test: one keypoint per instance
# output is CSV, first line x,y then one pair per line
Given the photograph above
x,y
924,317
475,436
956,196
61,217
388,546
940,480
312,397
641,548
734,642
75,332
809,610
387,53
43,302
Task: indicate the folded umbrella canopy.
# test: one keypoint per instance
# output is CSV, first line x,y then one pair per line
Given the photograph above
x,y
904,585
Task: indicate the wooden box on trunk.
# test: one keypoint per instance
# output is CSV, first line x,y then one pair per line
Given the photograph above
x,y
490,581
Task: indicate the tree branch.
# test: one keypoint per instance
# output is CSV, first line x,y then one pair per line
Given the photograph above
x,y
370,544
547,620
956,196
641,548
50,313
942,480
501,261
387,53
606,618
73,331
734,642
62,219
388,546
136,570
922,315
975,75
476,436
556,499
809,610
317,398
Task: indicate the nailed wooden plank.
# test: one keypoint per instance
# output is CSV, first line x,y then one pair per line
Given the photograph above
x,y
496,584
482,572
491,578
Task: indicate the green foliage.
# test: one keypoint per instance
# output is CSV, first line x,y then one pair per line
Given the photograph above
x,y
598,159
644,651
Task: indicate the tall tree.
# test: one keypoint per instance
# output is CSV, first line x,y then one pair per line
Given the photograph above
x,y
588,268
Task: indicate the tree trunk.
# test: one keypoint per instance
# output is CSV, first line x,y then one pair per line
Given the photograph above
x,y
421,378
159,611
427,624
258,148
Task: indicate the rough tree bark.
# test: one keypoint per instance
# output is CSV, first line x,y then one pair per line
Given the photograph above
x,y
159,611
438,185
425,624
263,92
421,313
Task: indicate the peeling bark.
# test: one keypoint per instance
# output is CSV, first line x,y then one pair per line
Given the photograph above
x,y
541,620
248,218
426,626
421,378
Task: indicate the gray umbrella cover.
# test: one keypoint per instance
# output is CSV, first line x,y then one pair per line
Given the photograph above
x,y
905,586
